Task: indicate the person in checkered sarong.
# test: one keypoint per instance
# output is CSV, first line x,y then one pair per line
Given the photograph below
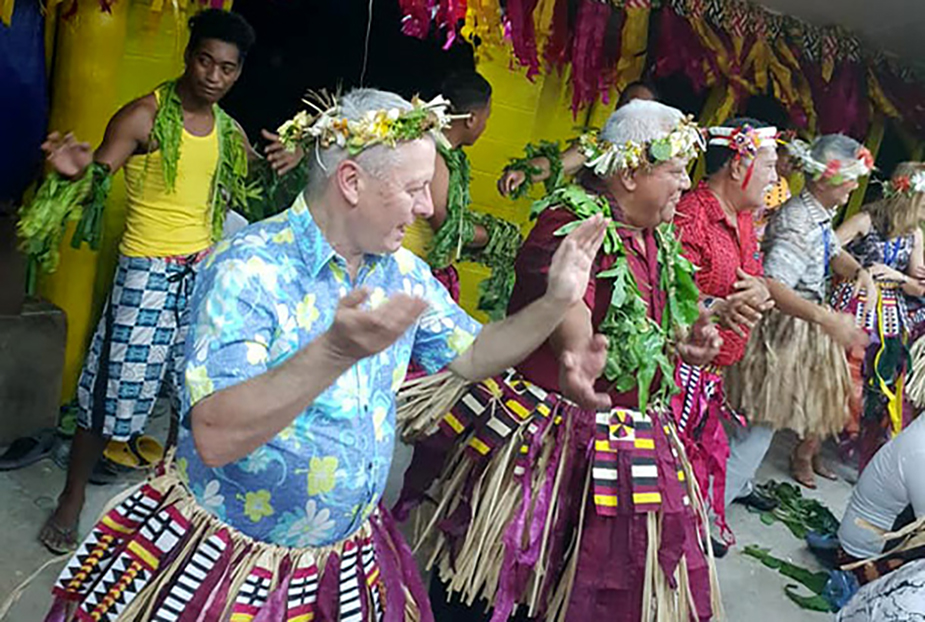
x,y
176,147
302,328
540,500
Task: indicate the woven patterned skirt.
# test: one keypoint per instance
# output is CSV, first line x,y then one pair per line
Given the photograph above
x,y
158,556
531,504
793,376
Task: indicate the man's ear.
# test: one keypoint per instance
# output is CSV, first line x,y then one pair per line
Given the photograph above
x,y
738,168
628,179
349,180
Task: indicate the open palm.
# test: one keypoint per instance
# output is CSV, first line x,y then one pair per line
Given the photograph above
x,y
67,155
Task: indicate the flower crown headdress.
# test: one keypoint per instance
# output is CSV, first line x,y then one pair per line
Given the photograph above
x,y
745,140
904,185
833,171
329,127
606,158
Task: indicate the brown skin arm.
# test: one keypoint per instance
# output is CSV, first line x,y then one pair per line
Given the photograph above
x,y
126,135
857,225
572,161
439,191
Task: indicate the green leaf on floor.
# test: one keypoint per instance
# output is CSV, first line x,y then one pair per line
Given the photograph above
x,y
798,514
815,582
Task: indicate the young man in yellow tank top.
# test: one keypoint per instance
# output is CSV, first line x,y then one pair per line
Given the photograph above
x,y
183,159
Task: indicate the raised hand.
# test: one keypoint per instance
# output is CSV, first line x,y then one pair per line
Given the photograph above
x,y
69,157
579,369
510,181
281,159
703,343
570,267
357,333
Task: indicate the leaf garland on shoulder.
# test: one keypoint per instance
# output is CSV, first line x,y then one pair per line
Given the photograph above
x,y
230,189
230,186
638,347
451,241
552,153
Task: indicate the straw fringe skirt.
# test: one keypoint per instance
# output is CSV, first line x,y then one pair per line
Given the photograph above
x,y
793,376
159,556
531,508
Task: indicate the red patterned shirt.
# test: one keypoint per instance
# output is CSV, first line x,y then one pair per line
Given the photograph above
x,y
712,243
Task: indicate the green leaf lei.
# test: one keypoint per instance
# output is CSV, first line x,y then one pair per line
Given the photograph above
x,y
452,239
638,346
546,149
230,188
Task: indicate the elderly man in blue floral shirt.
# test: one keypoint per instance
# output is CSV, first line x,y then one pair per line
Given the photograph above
x,y
302,329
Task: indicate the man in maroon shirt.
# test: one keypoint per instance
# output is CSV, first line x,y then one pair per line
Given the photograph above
x,y
715,226
562,491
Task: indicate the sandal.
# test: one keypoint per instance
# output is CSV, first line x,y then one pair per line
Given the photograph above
x,y
57,539
28,450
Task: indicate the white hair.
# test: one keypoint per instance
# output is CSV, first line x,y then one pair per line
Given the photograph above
x,y
835,147
376,160
641,121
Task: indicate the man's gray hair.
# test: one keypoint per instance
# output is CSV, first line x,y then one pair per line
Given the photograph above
x,y
376,160
641,121
835,147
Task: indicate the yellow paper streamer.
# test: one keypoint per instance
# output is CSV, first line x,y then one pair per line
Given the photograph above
x,y
633,45
6,11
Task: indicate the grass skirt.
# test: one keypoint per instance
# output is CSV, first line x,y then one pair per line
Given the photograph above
x,y
527,501
793,376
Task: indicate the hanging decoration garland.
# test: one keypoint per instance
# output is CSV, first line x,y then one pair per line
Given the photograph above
x,y
638,347
452,240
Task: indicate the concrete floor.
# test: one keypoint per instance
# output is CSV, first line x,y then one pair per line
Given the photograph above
x,y
751,592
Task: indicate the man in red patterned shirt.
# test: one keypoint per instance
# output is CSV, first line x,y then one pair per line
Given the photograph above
x,y
715,225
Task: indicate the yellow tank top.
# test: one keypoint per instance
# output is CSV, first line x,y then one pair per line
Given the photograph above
x,y
159,223
418,238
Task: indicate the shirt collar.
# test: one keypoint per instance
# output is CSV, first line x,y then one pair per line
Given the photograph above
x,y
818,213
316,250
713,207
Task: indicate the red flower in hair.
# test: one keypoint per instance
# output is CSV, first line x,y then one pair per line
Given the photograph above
x,y
902,184
868,158
832,169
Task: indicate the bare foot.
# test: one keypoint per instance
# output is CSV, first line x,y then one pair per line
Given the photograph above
x,y
802,472
822,470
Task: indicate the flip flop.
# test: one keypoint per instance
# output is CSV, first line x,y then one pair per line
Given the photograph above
x,y
137,453
68,535
28,450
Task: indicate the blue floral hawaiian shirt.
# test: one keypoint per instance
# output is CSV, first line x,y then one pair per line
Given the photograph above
x,y
261,296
